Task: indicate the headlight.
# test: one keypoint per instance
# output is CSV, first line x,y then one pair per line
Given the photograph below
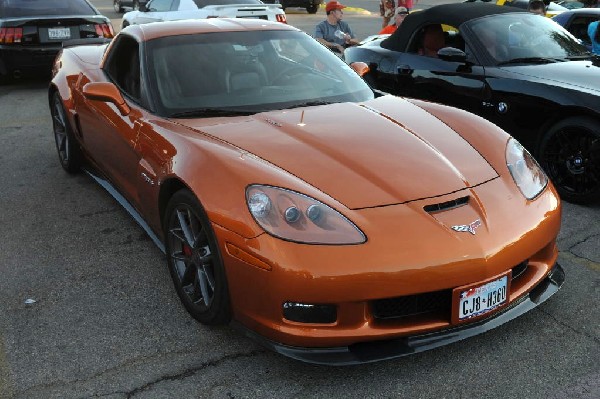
x,y
525,171
296,217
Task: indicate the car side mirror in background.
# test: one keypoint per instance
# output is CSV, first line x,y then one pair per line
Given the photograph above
x,y
360,68
107,92
452,54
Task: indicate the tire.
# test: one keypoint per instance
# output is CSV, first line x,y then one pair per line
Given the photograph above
x,y
570,154
117,6
312,9
194,260
124,25
136,5
69,153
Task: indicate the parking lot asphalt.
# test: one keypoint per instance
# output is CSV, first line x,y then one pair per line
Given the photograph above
x,y
87,307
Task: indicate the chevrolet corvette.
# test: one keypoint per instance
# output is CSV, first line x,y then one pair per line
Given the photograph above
x,y
332,223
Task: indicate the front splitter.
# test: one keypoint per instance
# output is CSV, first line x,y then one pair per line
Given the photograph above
x,y
373,351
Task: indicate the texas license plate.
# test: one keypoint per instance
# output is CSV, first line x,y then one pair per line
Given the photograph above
x,y
59,33
480,299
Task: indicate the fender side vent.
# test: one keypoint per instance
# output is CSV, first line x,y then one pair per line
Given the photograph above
x,y
444,206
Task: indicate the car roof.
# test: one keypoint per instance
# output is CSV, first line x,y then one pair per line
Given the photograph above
x,y
156,30
451,14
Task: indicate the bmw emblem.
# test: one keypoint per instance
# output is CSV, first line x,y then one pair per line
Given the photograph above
x,y
502,107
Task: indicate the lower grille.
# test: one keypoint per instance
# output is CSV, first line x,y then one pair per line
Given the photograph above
x,y
432,304
437,302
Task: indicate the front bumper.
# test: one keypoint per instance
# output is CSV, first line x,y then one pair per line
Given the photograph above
x,y
373,351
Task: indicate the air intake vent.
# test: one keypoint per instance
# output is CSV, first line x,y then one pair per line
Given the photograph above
x,y
518,270
443,206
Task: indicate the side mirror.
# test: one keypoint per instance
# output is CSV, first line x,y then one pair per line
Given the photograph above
x,y
106,92
360,68
452,54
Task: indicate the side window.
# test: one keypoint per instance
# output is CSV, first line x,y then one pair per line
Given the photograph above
x,y
123,66
159,5
579,28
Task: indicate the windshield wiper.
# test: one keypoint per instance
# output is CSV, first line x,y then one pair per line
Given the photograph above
x,y
579,57
210,112
529,60
310,104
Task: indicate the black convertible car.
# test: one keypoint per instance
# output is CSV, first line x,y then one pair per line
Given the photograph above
x,y
521,71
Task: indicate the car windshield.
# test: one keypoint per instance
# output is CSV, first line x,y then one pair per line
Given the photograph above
x,y
28,8
221,73
525,38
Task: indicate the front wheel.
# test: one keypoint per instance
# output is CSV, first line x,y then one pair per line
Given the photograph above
x,y
68,150
570,153
194,260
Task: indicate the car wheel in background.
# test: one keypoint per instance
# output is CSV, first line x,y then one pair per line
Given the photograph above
x,y
124,25
68,149
312,9
136,5
570,154
117,6
194,260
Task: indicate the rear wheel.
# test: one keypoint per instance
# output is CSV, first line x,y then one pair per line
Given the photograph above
x,y
312,9
194,260
570,154
69,153
117,6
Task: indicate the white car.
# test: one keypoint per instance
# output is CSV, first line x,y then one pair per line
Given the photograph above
x,y
171,10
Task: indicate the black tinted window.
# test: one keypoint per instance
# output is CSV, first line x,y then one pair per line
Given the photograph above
x,y
27,8
123,66
204,3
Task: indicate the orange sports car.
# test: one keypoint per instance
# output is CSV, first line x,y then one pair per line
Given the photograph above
x,y
332,223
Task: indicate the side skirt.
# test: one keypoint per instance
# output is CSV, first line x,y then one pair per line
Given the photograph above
x,y
105,184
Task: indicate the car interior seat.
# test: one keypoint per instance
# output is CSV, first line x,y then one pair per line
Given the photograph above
x,y
432,40
245,74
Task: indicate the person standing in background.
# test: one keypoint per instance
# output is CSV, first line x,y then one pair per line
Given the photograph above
x,y
386,9
399,15
408,4
334,33
594,34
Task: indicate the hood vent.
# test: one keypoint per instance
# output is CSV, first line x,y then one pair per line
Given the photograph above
x,y
444,206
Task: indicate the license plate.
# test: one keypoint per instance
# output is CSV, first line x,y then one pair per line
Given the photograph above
x,y
59,33
478,300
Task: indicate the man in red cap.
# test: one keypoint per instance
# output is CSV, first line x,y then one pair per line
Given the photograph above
x,y
333,32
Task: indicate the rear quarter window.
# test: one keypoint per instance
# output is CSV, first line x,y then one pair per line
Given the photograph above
x,y
28,8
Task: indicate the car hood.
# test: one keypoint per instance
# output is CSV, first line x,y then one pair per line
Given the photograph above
x,y
580,74
357,154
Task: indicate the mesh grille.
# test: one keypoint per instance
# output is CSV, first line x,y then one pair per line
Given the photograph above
x,y
411,305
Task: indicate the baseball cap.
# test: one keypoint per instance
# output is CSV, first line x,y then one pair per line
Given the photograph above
x,y
334,5
400,10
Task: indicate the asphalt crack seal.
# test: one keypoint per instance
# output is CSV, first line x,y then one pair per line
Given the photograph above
x,y
193,371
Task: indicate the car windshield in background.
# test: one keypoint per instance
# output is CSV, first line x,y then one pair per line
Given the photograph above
x,y
204,3
28,8
515,38
222,73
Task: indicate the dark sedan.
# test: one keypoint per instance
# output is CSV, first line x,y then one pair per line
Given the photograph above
x,y
577,22
521,71
32,32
